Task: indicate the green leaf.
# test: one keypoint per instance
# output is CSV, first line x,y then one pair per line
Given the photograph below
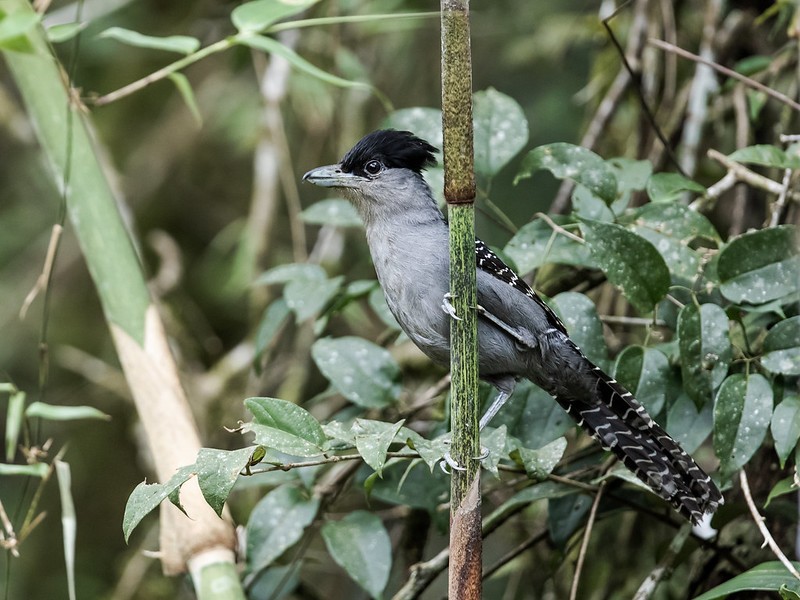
x,y
36,470
760,266
646,373
533,416
185,89
276,524
14,27
579,315
782,347
270,46
377,302
64,32
335,212
182,44
783,487
669,187
373,439
538,491
705,349
768,576
145,497
217,472
16,408
257,16
431,451
501,131
585,204
670,228
425,123
687,424
766,155
566,161
284,426
536,244
64,413
361,371
494,441
540,463
632,175
565,515
69,525
785,427
629,261
742,411
360,545
291,272
274,318
307,297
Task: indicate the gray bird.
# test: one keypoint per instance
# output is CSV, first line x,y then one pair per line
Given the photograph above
x,y
518,334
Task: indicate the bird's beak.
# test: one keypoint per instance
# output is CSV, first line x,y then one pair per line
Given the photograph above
x,y
332,176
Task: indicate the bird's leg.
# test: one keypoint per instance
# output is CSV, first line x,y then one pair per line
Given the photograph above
x,y
447,306
494,407
522,336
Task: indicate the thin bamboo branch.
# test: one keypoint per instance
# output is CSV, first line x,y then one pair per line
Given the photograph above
x,y
667,47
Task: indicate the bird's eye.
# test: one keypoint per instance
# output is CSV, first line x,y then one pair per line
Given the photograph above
x,y
373,167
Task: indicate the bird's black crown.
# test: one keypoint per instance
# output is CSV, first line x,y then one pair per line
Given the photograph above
x,y
395,149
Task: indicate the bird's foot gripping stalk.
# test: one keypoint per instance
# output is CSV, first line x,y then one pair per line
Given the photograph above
x,y
447,306
449,461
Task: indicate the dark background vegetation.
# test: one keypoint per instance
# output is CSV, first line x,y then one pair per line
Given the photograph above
x,y
187,191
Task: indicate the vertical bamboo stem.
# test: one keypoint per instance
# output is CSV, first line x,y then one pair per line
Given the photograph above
x,y
459,188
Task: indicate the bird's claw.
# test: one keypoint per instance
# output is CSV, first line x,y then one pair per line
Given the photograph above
x,y
453,464
447,306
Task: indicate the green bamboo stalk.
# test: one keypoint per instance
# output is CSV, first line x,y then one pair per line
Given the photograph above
x,y
137,331
459,189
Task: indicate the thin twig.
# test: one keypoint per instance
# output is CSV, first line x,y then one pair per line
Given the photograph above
x,y
622,320
777,208
667,47
47,270
587,534
759,521
514,553
749,177
558,229
649,585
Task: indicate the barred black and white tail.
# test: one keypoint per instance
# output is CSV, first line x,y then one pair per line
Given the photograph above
x,y
621,424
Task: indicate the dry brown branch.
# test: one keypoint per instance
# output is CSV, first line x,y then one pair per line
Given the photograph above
x,y
759,521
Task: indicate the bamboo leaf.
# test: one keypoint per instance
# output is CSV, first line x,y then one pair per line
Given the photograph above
x,y
182,44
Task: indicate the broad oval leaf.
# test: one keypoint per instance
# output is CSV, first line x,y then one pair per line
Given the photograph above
x,y
145,497
785,427
782,347
579,315
742,412
540,463
360,544
361,371
257,16
768,576
766,155
536,244
292,272
276,523
760,266
306,297
501,131
217,472
533,416
333,211
688,425
182,44
566,161
668,187
705,349
647,374
629,261
285,426
373,439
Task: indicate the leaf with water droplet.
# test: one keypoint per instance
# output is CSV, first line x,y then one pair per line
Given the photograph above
x,y
536,244
579,315
785,427
782,347
217,472
361,371
647,374
629,261
284,426
742,412
360,544
373,439
276,524
501,131
705,349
